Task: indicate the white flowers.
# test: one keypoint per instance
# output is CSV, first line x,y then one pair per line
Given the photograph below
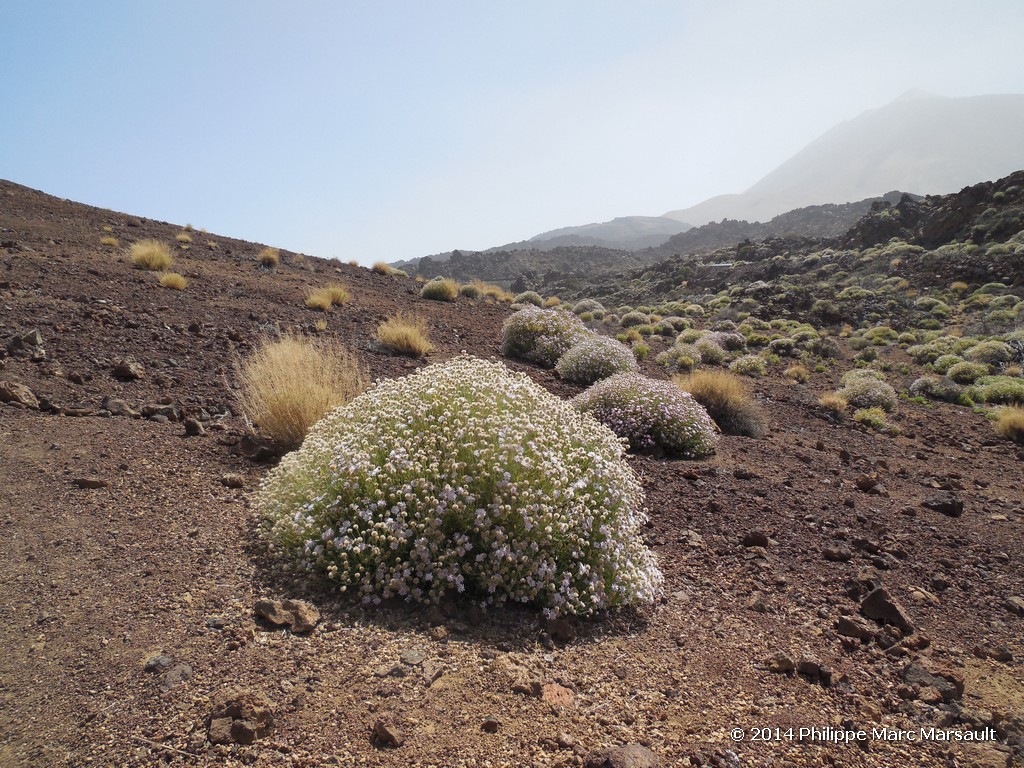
x,y
488,484
540,335
595,357
651,415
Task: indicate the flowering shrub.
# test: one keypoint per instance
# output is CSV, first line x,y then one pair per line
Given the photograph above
x,y
650,414
464,477
937,388
945,362
540,335
593,358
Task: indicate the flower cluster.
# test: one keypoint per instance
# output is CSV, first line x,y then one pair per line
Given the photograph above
x,y
651,415
680,358
464,478
593,358
540,335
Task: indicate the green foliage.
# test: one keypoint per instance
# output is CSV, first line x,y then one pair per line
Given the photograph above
x,y
749,365
529,297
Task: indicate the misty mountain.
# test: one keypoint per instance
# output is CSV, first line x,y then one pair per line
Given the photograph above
x,y
626,232
919,143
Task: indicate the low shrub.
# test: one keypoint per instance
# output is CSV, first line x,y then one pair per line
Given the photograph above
x,y
710,352
652,415
383,268
967,373
634,318
109,241
867,391
183,237
552,301
1001,390
749,365
405,334
150,254
937,388
945,362
444,289
727,400
470,291
681,358
989,352
872,417
593,358
587,305
782,347
541,335
529,297
464,478
641,350
290,383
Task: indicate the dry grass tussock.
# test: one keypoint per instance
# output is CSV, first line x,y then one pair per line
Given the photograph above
x,y
173,280
1010,423
329,296
440,290
183,237
405,334
290,383
835,403
727,400
150,254
495,292
109,241
269,257
383,268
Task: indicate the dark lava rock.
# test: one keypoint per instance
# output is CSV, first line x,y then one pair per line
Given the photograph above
x,y
881,606
947,503
629,756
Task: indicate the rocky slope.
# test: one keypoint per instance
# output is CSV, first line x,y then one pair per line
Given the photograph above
x,y
824,576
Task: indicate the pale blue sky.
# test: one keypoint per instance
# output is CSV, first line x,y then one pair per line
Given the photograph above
x,y
389,130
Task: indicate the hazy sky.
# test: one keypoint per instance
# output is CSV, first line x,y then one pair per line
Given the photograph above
x,y
388,130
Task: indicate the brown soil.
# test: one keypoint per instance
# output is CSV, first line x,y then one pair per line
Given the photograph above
x,y
163,560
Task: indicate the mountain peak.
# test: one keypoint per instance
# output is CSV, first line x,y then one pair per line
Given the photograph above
x,y
916,94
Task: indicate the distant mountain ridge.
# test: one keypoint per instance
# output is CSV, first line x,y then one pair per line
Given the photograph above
x,y
920,143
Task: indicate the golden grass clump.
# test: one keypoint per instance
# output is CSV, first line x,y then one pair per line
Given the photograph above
x,y
290,383
1010,423
494,292
405,334
445,289
798,373
107,228
552,301
269,258
183,237
835,403
383,268
173,280
150,254
727,400
327,297
108,240
959,287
